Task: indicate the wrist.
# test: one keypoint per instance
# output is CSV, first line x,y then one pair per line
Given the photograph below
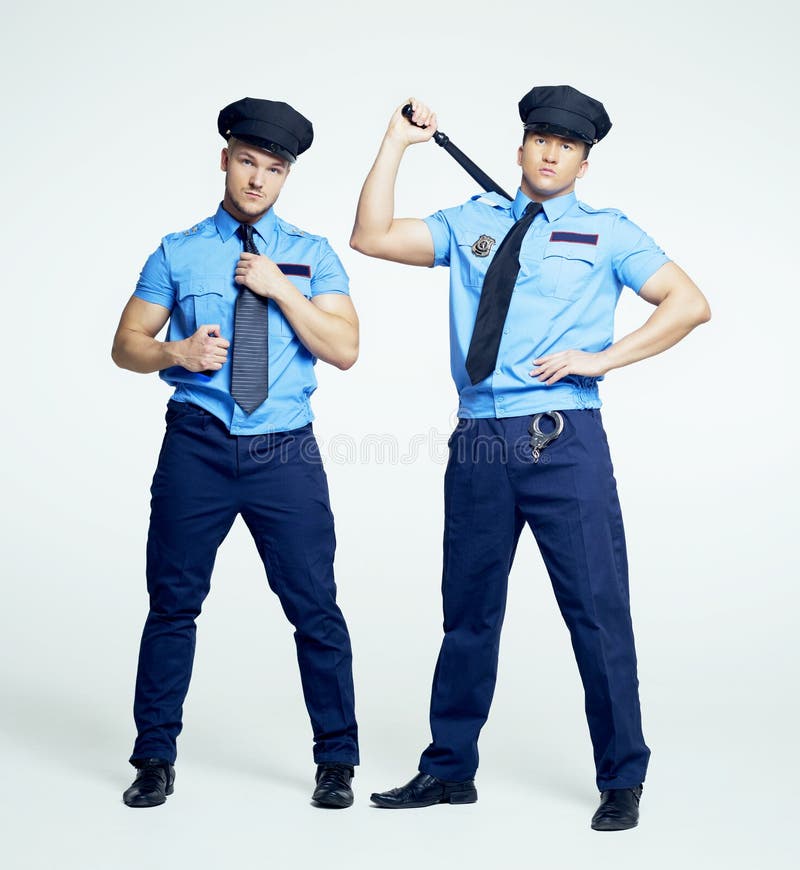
x,y
394,145
283,291
607,360
173,352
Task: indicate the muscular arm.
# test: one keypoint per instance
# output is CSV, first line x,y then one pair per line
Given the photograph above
x,y
327,324
680,306
136,347
376,231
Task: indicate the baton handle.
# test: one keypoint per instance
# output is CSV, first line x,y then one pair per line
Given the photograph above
x,y
438,137
459,156
408,112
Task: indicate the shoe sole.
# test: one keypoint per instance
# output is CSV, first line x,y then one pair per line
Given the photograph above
x,y
333,803
142,804
613,827
456,797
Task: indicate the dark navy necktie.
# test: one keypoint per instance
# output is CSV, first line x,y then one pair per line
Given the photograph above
x,y
498,285
250,361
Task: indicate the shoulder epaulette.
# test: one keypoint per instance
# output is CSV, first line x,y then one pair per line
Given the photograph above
x,y
493,199
292,229
589,210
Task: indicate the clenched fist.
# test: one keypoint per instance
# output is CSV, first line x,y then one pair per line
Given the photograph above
x,y
406,133
259,274
204,351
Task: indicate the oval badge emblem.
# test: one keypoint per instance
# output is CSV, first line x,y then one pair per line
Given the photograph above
x,y
482,247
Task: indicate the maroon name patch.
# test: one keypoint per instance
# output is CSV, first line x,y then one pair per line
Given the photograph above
x,y
575,238
299,269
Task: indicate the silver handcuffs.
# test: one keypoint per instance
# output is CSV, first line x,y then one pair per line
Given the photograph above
x,y
539,439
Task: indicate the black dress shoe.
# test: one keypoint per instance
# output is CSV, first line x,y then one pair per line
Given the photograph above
x,y
333,785
425,791
618,810
152,784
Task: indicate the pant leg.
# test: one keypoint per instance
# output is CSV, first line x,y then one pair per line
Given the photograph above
x,y
192,509
570,500
481,531
286,507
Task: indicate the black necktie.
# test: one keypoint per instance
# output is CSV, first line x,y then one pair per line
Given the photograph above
x,y
498,285
250,362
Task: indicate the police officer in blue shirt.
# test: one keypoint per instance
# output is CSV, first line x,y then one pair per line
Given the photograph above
x,y
252,303
533,287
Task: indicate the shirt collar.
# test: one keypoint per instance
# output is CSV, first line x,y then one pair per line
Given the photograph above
x,y
227,225
553,208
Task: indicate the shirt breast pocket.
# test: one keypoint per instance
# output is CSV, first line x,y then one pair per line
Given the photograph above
x,y
473,266
566,268
201,299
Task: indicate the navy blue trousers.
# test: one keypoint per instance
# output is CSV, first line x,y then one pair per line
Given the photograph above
x,y
569,499
205,477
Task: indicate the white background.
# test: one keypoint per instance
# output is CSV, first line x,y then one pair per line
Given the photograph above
x,y
110,142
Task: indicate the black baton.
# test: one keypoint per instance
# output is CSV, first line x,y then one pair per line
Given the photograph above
x,y
460,157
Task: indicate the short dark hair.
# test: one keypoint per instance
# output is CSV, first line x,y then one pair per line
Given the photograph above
x,y
586,145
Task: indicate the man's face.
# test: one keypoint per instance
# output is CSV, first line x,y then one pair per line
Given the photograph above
x,y
550,165
253,180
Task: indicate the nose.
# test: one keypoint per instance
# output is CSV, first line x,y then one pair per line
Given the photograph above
x,y
550,153
257,179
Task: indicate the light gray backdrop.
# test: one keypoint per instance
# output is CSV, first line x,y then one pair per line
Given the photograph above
x,y
109,143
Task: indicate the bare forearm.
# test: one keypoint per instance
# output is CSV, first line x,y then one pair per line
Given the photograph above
x,y
327,336
672,320
138,352
680,306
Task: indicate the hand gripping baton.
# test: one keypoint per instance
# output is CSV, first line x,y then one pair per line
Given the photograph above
x,y
460,157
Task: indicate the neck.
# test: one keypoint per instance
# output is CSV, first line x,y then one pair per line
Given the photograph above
x,y
538,196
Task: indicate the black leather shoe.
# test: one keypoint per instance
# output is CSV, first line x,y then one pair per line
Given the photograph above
x,y
153,783
333,785
618,810
425,791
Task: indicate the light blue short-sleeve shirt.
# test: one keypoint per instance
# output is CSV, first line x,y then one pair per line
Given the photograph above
x,y
574,262
191,275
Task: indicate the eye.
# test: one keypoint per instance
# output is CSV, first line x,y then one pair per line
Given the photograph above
x,y
247,161
566,146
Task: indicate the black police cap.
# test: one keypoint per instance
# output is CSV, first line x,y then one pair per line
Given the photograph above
x,y
564,111
267,124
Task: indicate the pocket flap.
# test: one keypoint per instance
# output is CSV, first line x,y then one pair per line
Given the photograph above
x,y
201,285
571,251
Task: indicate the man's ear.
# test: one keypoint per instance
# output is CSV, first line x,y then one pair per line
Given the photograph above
x,y
223,159
519,156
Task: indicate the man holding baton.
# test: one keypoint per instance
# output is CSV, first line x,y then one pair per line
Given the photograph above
x,y
252,302
533,287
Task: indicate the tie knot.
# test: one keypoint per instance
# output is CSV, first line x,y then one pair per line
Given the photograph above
x,y
532,209
246,233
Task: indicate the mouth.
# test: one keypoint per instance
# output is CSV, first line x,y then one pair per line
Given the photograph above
x,y
545,171
253,195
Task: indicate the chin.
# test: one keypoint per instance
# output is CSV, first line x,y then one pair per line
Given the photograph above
x,y
251,209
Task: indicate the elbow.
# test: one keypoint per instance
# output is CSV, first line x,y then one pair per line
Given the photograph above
x,y
701,312
357,243
116,354
347,357
365,244
347,361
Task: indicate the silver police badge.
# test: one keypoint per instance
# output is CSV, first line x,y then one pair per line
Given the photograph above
x,y
482,247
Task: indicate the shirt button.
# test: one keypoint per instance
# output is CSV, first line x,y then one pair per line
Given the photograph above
x,y
500,400
497,371
505,332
